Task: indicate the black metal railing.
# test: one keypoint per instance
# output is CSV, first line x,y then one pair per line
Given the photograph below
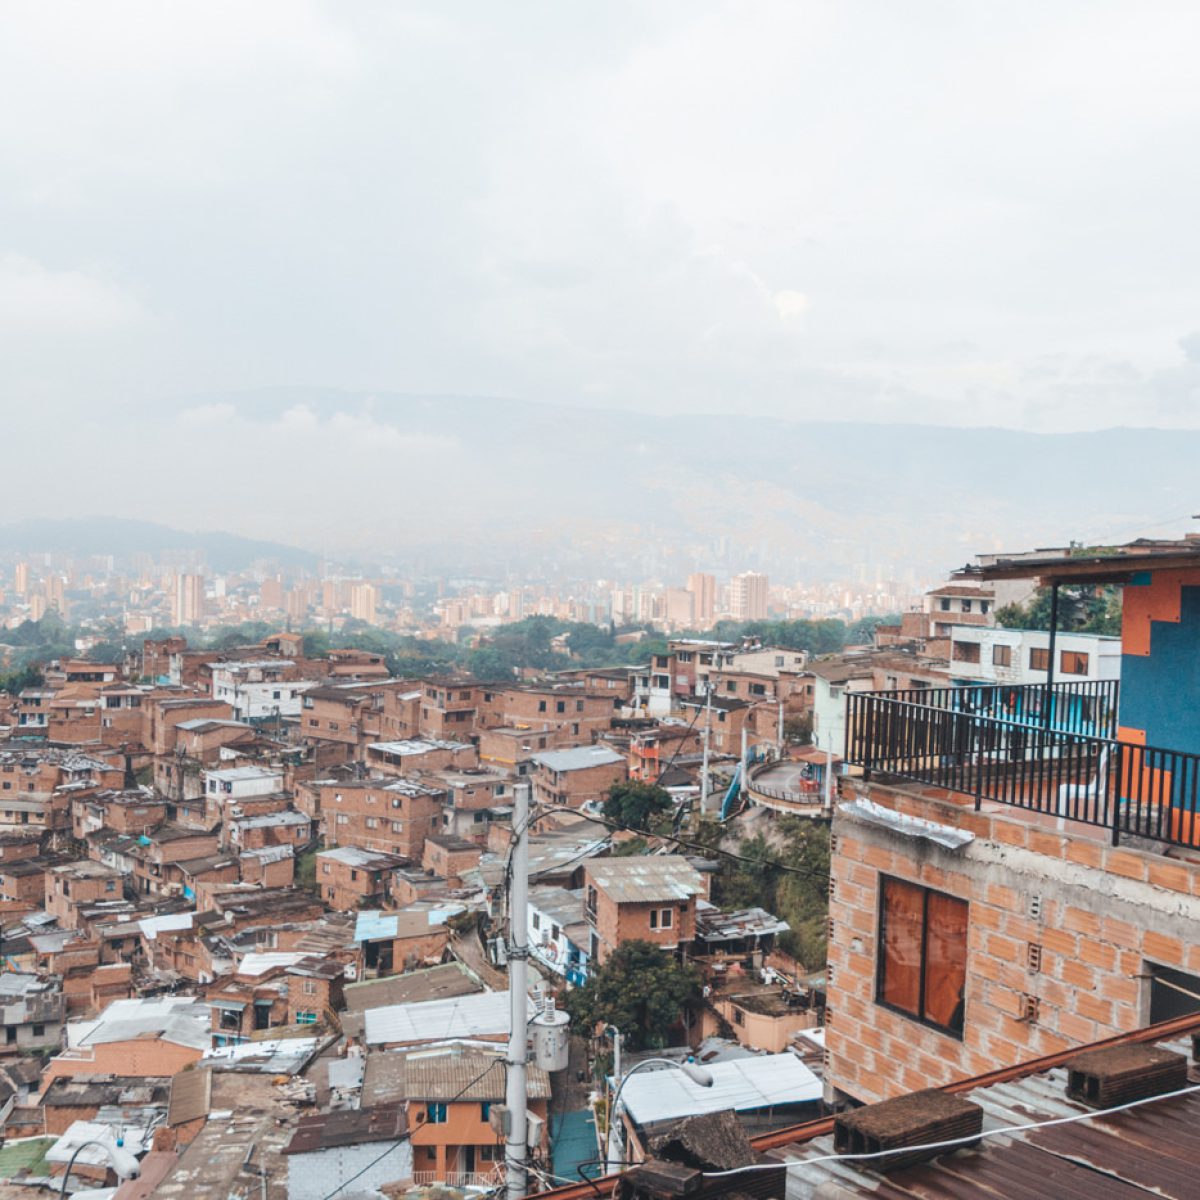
x,y
1089,707
1128,789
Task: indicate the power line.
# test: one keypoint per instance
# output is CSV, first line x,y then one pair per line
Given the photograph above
x,y
950,1143
670,837
496,1062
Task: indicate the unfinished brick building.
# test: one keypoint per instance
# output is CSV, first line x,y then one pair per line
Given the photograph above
x,y
1016,870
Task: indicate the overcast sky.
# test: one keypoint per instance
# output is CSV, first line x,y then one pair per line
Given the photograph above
x,y
957,212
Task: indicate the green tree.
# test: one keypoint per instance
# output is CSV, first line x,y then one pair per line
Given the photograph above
x,y
634,804
799,729
640,989
1082,609
17,681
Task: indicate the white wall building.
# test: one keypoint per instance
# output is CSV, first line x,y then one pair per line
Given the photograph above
x,y
236,783
257,691
1022,656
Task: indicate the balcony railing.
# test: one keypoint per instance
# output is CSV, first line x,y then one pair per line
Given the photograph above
x,y
1032,757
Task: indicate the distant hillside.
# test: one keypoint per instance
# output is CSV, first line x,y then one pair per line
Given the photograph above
x,y
120,537
451,486
821,492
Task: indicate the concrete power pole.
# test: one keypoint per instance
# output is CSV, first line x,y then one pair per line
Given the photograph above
x,y
515,1170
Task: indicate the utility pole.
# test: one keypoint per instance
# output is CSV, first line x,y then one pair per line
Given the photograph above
x,y
828,776
515,1172
704,763
745,760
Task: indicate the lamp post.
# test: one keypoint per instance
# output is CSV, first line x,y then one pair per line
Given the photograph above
x,y
695,1073
121,1161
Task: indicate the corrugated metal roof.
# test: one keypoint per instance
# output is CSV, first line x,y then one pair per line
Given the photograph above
x,y
646,878
766,1081
466,1077
916,827
481,1015
578,758
191,1095
1153,1148
182,1020
323,1131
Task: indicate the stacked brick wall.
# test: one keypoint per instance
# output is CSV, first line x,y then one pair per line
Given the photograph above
x,y
1062,929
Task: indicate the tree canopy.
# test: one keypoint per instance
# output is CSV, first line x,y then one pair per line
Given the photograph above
x,y
798,895
1083,609
635,804
641,990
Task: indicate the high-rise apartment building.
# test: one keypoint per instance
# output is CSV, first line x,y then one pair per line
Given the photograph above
x,y
748,596
21,579
297,603
188,605
704,598
679,607
55,596
270,594
363,598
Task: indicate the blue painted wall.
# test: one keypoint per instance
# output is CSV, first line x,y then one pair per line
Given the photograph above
x,y
1160,693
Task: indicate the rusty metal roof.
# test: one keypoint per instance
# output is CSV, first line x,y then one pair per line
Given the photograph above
x,y
1153,1148
384,1123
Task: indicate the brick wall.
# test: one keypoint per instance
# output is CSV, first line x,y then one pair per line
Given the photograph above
x,y
1059,919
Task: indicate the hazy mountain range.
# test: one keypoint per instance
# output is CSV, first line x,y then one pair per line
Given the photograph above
x,y
480,484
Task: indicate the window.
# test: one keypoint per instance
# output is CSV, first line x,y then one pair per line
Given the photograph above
x,y
485,1109
739,1016
661,918
325,868
541,706
1073,662
372,822
537,921
1039,659
110,885
967,652
310,987
966,606
39,1031
490,1153
944,604
922,968
435,1113
984,606
561,706
306,1018
1001,656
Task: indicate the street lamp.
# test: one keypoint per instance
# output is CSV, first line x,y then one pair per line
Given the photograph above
x,y
695,1073
121,1161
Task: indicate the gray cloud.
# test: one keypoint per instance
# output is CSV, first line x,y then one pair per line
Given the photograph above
x,y
916,212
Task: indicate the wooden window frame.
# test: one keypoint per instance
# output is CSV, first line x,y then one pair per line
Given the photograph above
x,y
881,960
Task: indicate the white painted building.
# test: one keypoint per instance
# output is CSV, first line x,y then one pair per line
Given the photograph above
x,y
1021,656
257,690
236,783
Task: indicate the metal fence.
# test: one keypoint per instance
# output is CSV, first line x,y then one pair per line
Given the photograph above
x,y
1088,708
1132,790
